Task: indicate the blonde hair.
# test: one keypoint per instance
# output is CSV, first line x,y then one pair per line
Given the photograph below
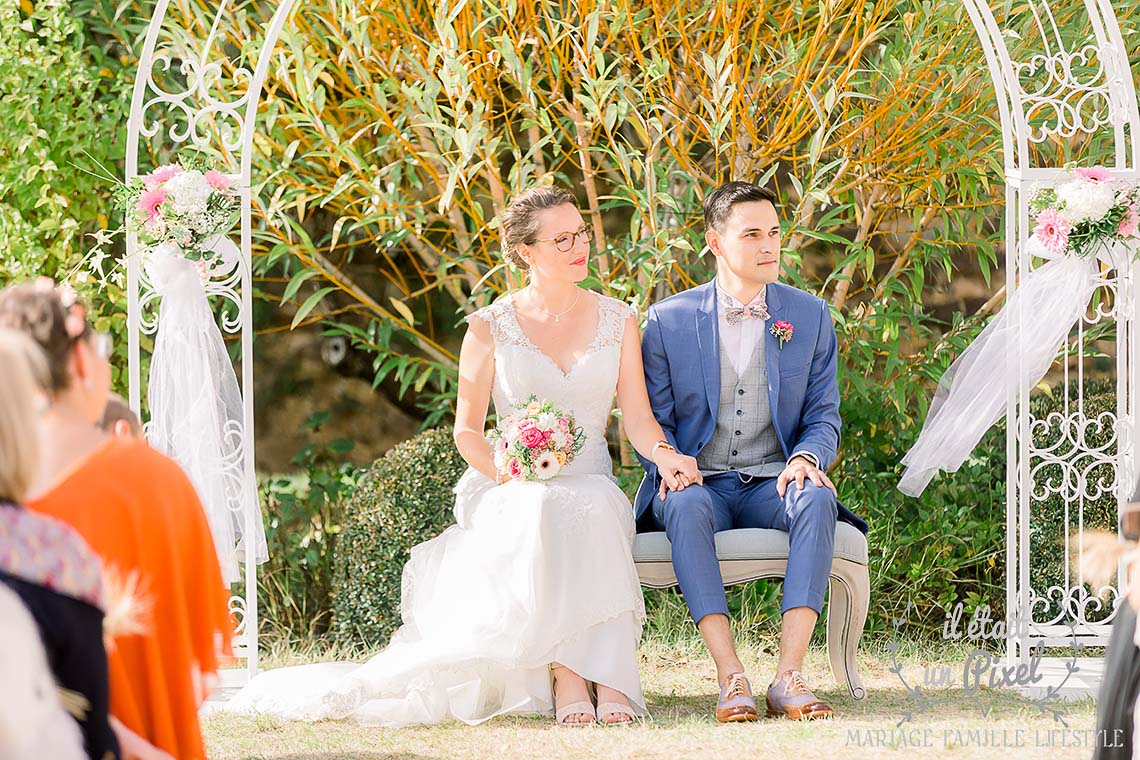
x,y
22,375
519,220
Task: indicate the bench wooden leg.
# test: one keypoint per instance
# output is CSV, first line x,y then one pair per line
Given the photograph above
x,y
849,597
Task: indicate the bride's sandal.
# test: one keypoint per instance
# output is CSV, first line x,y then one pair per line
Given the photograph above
x,y
575,708
581,708
608,710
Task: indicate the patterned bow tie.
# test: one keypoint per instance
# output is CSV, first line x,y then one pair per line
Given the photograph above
x,y
734,314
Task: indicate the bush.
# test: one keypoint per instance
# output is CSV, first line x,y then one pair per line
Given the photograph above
x,y
405,498
934,551
304,513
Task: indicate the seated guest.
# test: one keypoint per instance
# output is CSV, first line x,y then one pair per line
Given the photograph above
x,y
53,656
119,419
139,512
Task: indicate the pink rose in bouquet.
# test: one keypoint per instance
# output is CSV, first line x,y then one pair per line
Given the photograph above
x,y
532,437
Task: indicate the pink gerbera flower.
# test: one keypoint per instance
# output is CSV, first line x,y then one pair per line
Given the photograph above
x,y
217,180
160,175
1096,175
150,200
1130,223
1052,231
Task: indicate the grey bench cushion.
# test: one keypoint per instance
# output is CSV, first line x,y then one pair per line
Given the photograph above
x,y
753,543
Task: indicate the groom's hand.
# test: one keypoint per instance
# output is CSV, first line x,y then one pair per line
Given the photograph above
x,y
677,471
800,469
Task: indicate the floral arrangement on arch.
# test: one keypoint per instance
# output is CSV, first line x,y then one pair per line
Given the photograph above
x,y
1085,212
186,204
536,442
182,205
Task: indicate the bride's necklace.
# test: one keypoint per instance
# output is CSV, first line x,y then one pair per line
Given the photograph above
x,y
561,314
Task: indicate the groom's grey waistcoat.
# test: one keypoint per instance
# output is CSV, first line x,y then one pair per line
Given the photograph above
x,y
744,440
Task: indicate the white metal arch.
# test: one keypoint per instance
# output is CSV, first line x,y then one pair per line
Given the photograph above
x,y
1099,96
149,103
1018,110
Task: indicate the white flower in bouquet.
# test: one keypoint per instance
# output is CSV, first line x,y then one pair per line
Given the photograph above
x,y
546,466
546,421
155,227
188,192
511,434
1085,201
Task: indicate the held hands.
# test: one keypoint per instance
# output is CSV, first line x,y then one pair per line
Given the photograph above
x,y
800,469
677,471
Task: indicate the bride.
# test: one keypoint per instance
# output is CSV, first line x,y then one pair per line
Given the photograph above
x,y
533,595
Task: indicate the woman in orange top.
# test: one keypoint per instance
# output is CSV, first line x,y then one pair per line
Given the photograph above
x,y
139,512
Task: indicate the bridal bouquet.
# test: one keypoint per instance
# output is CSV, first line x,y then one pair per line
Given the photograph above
x,y
1084,212
536,442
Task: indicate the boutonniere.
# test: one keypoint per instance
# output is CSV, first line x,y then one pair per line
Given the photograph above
x,y
783,330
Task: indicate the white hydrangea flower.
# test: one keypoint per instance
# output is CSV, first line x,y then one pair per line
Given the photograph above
x,y
1085,201
547,421
188,192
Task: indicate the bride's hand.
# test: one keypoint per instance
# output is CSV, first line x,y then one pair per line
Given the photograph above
x,y
677,471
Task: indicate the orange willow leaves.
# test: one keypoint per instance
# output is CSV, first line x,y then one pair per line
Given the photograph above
x,y
395,132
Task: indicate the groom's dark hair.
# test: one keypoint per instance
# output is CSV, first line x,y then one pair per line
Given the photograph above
x,y
719,203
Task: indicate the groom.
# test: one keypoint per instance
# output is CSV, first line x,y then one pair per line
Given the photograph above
x,y
741,375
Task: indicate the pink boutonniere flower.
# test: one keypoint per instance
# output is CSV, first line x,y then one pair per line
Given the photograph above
x,y
783,330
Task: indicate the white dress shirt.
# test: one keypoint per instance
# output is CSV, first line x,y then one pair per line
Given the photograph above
x,y
740,340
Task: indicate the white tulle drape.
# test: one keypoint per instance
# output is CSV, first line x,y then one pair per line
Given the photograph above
x,y
1014,351
195,404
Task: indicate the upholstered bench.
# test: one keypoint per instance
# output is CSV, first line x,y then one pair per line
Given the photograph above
x,y
753,553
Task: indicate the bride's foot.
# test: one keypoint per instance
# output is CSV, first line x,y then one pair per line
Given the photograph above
x,y
613,706
572,704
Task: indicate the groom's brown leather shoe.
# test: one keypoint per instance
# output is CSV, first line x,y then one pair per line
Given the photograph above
x,y
791,698
736,702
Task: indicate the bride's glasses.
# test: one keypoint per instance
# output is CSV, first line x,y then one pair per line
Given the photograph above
x,y
565,241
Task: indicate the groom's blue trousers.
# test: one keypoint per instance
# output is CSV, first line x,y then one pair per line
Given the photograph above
x,y
692,516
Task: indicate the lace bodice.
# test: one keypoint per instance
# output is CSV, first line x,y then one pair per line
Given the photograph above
x,y
586,391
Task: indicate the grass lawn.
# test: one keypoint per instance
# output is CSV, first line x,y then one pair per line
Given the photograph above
x,y
681,691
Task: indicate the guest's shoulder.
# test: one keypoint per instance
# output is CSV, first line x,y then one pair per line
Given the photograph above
x,y
147,470
138,453
47,552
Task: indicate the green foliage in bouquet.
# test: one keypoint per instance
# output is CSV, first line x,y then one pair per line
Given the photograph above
x,y
404,498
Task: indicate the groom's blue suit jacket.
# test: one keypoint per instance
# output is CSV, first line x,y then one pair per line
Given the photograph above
x,y
681,352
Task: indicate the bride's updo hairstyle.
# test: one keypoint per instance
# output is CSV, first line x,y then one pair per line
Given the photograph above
x,y
519,221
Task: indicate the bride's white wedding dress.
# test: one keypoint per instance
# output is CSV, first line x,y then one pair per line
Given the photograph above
x,y
533,573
